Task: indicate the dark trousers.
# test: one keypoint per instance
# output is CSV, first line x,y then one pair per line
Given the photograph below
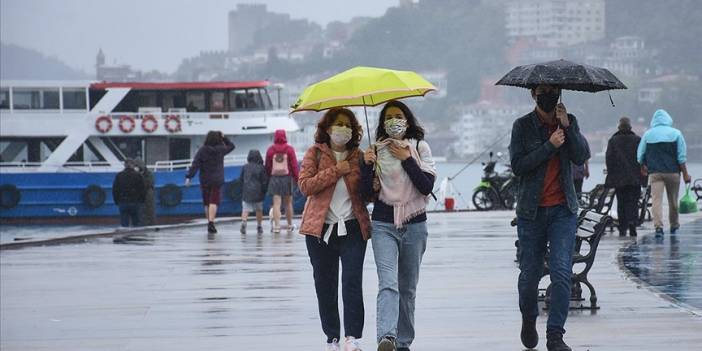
x,y
627,206
129,212
351,249
556,227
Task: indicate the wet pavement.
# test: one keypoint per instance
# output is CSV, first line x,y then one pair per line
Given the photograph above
x,y
180,289
671,264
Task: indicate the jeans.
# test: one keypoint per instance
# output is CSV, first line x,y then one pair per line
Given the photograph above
x,y
351,249
670,182
129,212
555,225
398,255
627,206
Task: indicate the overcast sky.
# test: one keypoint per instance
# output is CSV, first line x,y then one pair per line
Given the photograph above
x,y
147,34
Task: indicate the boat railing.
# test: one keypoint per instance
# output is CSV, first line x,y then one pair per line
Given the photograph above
x,y
264,114
19,164
185,163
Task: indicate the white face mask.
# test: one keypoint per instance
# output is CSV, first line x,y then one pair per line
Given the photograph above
x,y
396,127
340,135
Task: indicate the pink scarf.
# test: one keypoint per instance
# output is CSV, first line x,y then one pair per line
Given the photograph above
x,y
396,188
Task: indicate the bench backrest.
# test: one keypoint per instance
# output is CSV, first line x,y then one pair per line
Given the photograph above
x,y
591,228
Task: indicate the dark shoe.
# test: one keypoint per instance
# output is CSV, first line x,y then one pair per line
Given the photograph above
x,y
632,230
211,228
554,342
674,230
387,344
259,229
622,232
659,232
530,337
243,228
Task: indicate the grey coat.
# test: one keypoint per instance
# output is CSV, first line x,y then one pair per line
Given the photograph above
x,y
253,178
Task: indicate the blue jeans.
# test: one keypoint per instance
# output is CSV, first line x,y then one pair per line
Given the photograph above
x,y
351,250
129,212
398,255
556,226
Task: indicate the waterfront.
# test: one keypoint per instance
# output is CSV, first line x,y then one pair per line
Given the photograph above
x,y
179,289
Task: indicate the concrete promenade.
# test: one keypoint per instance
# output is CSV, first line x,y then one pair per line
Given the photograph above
x,y
178,289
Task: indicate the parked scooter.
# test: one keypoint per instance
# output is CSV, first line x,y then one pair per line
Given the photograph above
x,y
495,190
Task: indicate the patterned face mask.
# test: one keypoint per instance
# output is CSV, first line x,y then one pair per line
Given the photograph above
x,y
396,127
340,135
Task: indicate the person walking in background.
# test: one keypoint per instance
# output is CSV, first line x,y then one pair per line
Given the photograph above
x,y
336,224
282,169
209,160
128,192
662,154
544,144
148,216
254,181
399,168
623,175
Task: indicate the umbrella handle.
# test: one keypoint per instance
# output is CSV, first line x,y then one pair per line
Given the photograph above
x,y
365,112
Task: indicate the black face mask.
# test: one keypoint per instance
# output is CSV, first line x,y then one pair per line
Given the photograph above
x,y
547,101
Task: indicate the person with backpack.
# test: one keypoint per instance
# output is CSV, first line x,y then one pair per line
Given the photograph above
x,y
254,181
282,169
209,160
398,170
336,224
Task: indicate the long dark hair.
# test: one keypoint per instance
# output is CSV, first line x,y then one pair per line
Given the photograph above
x,y
322,137
414,130
214,138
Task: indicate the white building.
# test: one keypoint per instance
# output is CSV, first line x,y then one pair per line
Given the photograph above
x,y
485,125
557,23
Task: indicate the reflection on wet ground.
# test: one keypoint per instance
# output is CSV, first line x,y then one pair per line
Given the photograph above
x,y
186,290
672,264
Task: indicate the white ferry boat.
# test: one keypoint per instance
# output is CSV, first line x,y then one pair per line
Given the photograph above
x,y
61,143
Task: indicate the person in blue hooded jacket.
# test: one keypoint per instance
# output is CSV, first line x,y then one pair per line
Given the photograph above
x,y
662,155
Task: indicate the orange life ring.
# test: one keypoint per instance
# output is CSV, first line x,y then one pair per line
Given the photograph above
x,y
172,123
103,124
126,124
149,123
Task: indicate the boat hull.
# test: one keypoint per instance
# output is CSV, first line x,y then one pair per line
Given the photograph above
x,y
60,197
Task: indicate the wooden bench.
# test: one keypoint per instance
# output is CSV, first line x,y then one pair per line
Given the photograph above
x,y
591,227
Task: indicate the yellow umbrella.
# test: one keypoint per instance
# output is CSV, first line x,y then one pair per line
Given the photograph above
x,y
362,86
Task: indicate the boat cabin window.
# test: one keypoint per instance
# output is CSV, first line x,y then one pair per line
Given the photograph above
x,y
172,99
74,99
249,99
35,99
218,101
147,99
195,101
4,98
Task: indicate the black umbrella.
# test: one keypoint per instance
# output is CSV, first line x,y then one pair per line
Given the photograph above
x,y
564,74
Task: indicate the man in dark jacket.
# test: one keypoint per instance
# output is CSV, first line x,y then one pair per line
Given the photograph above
x,y
543,145
623,175
128,192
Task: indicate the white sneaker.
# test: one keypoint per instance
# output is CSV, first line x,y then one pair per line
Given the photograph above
x,y
333,346
352,344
